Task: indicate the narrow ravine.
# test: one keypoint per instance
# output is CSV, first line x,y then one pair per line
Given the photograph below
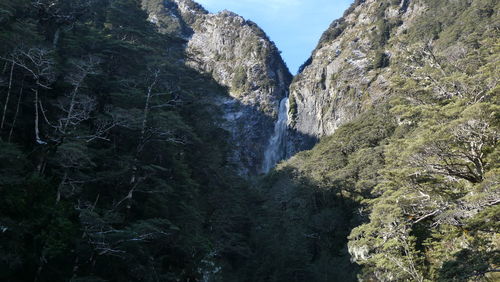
x,y
276,149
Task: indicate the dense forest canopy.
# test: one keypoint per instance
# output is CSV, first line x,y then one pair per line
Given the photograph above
x,y
411,186
114,165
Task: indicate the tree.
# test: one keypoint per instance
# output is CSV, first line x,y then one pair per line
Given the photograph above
x,y
39,64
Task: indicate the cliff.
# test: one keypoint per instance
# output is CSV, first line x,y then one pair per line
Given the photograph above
x,y
349,71
239,56
403,185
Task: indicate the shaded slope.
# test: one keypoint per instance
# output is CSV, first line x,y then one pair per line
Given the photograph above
x,y
412,154
240,56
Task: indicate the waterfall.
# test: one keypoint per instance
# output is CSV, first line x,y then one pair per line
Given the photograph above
x,y
276,149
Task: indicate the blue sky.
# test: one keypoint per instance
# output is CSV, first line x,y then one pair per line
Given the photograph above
x,y
294,25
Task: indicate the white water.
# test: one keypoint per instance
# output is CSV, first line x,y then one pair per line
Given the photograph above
x,y
276,150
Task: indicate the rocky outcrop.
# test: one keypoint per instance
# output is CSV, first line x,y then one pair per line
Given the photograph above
x,y
350,68
239,56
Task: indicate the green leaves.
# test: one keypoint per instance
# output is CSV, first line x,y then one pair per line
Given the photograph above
x,y
124,186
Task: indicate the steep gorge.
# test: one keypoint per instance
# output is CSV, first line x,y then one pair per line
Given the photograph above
x,y
139,142
348,73
356,95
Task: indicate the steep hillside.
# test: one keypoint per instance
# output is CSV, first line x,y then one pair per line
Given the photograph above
x,y
238,55
407,183
356,58
113,165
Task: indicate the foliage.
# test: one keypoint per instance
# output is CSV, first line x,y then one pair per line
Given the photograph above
x,y
239,79
381,60
113,163
419,172
113,166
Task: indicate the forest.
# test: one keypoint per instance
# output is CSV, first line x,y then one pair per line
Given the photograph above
x,y
114,166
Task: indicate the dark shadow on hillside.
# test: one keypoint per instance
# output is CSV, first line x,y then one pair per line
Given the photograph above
x,y
300,232
249,129
298,141
469,264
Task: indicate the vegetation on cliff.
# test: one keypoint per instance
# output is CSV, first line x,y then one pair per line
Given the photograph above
x,y
114,165
412,185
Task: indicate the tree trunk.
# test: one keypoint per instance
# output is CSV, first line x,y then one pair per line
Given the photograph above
x,y
145,117
5,67
57,34
7,98
17,111
58,197
142,140
37,120
146,113
42,163
72,104
40,268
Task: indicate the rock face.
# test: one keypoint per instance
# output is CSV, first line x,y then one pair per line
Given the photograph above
x,y
347,73
239,56
350,68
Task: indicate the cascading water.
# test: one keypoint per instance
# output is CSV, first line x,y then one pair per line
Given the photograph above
x,y
276,149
